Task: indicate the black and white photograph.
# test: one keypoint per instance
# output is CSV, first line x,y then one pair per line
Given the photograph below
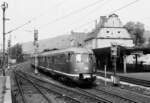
x,y
74,51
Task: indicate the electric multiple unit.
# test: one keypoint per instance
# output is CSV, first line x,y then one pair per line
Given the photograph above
x,y
77,64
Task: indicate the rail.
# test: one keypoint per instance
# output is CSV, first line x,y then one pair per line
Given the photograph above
x,y
97,98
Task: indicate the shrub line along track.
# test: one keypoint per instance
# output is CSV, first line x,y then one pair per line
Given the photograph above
x,y
88,97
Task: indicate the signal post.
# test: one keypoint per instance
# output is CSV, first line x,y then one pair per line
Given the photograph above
x,y
115,78
4,6
9,45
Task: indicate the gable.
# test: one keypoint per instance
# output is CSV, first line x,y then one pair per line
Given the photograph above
x,y
113,21
114,33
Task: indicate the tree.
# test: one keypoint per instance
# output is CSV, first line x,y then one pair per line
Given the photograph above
x,y
16,52
136,30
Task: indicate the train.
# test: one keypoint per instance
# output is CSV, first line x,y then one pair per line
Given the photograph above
x,y
77,64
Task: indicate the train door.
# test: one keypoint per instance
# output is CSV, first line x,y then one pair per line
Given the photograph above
x,y
47,61
63,63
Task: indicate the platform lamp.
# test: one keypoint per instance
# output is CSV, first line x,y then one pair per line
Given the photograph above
x,y
4,6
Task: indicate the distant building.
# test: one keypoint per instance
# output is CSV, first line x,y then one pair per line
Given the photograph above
x,y
77,39
108,31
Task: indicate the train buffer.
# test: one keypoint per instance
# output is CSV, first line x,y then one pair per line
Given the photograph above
x,y
5,90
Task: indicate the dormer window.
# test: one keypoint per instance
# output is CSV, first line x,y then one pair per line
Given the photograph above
x,y
118,31
107,31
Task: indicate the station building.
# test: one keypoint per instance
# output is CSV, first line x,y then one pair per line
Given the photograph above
x,y
108,31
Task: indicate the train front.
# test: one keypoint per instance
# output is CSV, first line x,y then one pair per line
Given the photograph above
x,y
84,67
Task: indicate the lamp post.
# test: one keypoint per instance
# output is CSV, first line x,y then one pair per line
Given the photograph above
x,y
4,6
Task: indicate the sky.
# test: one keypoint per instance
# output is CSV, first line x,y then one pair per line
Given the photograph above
x,y
58,17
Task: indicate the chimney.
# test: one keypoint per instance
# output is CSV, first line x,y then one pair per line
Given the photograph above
x,y
103,19
96,23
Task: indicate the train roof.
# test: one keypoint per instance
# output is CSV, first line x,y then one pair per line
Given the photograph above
x,y
73,49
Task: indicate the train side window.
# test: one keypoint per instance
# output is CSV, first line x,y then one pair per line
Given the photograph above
x,y
62,58
50,59
56,59
43,59
53,59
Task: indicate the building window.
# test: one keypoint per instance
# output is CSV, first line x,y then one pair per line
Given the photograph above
x,y
107,31
118,31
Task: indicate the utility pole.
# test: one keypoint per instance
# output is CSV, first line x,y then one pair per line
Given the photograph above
x,y
4,6
36,45
9,45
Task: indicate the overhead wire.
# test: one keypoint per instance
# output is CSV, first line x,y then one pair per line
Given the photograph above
x,y
31,20
71,13
99,6
116,10
125,6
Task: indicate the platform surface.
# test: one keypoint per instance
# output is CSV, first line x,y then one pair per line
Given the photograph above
x,y
143,76
2,85
140,75
5,90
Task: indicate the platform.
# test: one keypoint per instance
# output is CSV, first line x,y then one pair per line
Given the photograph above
x,y
5,89
140,75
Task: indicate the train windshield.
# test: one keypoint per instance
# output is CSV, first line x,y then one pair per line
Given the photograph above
x,y
83,58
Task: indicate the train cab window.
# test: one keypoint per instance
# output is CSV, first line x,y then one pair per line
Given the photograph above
x,y
78,58
82,58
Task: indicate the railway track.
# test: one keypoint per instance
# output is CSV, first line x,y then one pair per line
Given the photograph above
x,y
127,94
119,98
37,86
114,98
20,87
77,96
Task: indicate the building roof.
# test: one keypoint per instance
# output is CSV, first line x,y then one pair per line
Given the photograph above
x,y
72,49
112,21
